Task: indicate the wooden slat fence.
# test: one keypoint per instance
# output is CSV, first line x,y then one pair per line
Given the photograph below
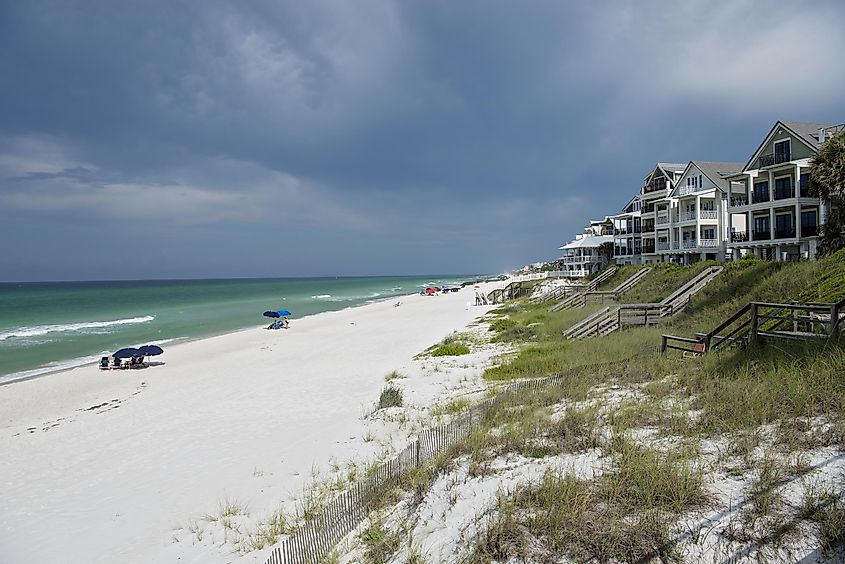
x,y
316,538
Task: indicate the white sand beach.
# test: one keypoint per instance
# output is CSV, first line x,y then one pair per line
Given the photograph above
x,y
113,466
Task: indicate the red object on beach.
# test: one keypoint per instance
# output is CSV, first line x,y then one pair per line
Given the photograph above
x,y
430,291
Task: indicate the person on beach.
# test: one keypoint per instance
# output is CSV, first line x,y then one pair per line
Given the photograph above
x,y
286,323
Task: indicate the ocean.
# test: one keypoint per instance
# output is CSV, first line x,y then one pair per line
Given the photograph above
x,y
49,326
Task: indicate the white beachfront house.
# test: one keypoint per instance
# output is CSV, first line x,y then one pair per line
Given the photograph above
x,y
627,233
770,211
698,226
656,208
581,256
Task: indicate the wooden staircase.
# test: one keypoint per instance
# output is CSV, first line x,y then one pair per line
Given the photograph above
x,y
583,298
761,321
612,318
564,291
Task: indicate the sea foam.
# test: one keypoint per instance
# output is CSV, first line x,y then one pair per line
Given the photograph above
x,y
45,329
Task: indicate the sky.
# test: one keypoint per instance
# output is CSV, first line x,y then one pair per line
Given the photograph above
x,y
215,139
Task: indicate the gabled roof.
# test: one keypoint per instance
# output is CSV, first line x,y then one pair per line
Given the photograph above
x,y
716,172
808,133
667,169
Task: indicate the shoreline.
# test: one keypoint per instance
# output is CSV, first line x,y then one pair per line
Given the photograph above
x,y
256,410
8,379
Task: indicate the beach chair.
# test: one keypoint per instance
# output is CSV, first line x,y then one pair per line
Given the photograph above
x,y
117,363
104,363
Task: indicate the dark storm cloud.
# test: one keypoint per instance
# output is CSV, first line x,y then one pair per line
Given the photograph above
x,y
414,137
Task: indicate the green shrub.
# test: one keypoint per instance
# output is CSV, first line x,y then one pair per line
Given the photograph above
x,y
391,396
450,349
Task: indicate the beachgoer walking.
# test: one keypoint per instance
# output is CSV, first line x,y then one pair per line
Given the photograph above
x,y
286,323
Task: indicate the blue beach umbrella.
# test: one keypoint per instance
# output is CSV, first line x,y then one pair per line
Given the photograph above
x,y
283,313
271,314
128,352
150,350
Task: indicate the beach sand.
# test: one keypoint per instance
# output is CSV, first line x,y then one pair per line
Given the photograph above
x,y
113,466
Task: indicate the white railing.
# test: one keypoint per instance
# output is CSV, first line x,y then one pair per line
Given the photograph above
x,y
663,245
689,243
577,273
529,276
580,259
709,243
708,214
662,219
674,245
688,216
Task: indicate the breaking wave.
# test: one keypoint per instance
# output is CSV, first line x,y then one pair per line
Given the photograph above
x,y
45,329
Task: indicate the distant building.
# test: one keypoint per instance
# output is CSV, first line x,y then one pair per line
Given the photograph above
x,y
770,210
698,226
627,233
581,256
656,205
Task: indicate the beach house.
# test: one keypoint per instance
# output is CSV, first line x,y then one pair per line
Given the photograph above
x,y
697,219
627,233
582,256
656,207
770,211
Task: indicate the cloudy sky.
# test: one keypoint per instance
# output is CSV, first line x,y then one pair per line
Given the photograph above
x,y
287,138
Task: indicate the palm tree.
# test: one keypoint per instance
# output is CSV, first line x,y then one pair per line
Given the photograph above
x,y
827,181
606,251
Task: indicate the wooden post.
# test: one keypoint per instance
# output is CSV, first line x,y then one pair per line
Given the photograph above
x,y
834,319
663,344
754,323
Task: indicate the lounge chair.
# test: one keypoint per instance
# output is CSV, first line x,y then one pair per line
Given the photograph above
x,y
104,363
117,363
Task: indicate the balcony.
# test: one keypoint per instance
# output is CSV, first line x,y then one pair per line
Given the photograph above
x,y
647,208
648,249
708,243
759,196
662,220
709,214
663,245
648,228
773,159
689,216
761,236
739,201
689,244
655,185
785,233
784,193
739,237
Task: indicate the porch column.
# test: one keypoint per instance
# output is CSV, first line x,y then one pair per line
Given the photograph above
x,y
798,221
697,220
771,224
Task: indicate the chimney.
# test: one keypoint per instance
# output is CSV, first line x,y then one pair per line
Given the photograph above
x,y
821,135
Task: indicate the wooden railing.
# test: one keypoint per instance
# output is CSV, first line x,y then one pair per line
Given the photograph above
x,y
764,320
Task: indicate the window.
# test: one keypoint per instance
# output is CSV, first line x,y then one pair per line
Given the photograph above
x,y
809,223
709,233
700,181
804,184
783,188
784,227
761,227
782,151
761,192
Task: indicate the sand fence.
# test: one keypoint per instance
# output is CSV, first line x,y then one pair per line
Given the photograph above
x,y
316,538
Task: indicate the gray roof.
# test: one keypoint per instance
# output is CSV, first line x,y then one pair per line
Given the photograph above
x,y
716,172
809,132
674,167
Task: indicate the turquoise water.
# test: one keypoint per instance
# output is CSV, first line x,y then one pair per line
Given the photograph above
x,y
54,325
